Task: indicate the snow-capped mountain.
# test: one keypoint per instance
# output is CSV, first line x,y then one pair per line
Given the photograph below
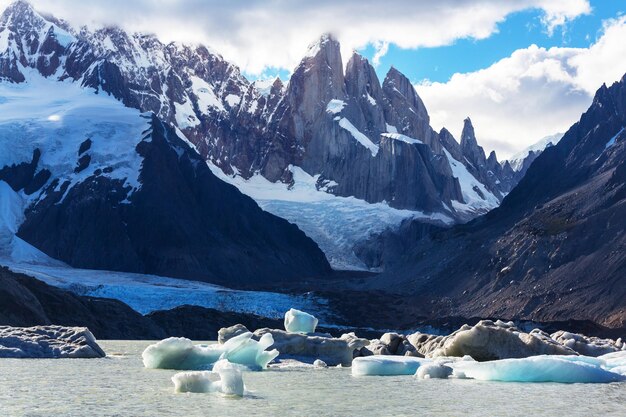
x,y
359,139
521,161
98,184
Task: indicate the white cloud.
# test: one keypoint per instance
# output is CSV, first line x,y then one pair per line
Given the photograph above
x,y
261,34
531,94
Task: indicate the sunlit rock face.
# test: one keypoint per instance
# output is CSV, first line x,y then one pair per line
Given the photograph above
x,y
489,341
48,342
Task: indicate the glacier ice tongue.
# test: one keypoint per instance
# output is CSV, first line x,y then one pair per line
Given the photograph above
x,y
297,321
181,353
564,369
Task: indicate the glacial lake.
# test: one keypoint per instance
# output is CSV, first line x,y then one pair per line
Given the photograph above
x,y
119,385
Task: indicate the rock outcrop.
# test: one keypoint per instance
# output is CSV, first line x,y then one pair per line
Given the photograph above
x,y
48,342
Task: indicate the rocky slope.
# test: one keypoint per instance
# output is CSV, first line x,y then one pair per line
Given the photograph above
x,y
553,250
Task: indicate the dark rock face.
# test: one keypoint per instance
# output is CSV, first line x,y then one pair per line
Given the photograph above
x,y
180,223
25,301
554,249
240,129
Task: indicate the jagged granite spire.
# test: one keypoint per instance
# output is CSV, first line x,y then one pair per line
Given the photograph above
x,y
469,145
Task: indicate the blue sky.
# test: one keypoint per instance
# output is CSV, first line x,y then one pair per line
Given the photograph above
x,y
519,30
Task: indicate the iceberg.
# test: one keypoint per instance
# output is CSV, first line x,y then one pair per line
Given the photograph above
x,y
434,371
385,365
297,321
226,378
196,381
181,353
543,368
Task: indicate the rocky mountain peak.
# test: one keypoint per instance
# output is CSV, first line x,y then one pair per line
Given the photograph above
x,y
396,83
469,145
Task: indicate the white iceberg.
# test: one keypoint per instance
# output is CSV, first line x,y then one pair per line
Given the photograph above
x,y
297,321
195,381
434,371
226,378
181,353
564,369
385,365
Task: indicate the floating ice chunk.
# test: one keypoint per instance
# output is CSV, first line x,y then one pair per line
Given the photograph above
x,y
231,380
244,350
614,360
589,346
181,353
225,378
538,369
434,371
320,364
387,365
197,381
297,321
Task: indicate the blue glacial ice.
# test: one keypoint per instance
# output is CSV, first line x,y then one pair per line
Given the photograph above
x,y
181,353
297,321
386,365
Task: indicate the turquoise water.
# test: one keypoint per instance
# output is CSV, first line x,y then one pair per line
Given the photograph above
x,y
119,386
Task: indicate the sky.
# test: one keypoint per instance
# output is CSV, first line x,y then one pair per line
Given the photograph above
x,y
521,69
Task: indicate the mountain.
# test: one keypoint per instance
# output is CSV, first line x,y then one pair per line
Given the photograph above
x,y
361,137
96,184
345,132
553,250
521,161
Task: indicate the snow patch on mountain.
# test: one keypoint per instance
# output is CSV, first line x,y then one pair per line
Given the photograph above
x,y
335,223
402,138
56,117
360,137
517,161
477,197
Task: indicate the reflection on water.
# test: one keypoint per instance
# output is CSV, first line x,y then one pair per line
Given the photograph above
x,y
119,386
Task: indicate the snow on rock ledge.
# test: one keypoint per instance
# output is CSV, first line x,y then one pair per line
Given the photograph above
x,y
48,342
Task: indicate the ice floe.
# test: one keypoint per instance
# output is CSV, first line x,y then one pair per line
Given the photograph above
x,y
386,365
539,369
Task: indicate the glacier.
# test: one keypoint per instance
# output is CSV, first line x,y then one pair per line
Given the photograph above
x,y
317,213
